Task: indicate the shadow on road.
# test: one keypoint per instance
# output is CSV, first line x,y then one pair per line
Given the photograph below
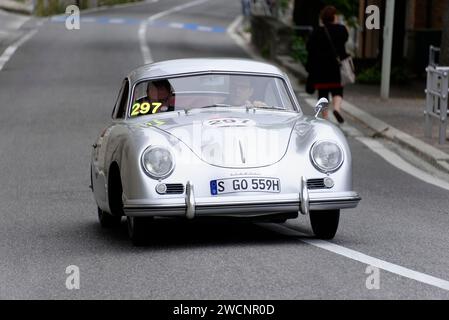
x,y
180,234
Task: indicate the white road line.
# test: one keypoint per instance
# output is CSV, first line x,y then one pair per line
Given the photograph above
x,y
381,264
144,48
366,259
7,54
401,164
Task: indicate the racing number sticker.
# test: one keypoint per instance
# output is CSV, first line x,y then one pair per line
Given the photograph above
x,y
227,122
144,108
155,122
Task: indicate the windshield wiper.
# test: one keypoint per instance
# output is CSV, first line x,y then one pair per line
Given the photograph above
x,y
265,107
217,105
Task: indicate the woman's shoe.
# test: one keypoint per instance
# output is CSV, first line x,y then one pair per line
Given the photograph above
x,y
338,116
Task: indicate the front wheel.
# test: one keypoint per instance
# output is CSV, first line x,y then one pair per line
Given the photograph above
x,y
138,229
107,220
325,223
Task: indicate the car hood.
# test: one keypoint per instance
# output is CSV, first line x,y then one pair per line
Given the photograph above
x,y
236,138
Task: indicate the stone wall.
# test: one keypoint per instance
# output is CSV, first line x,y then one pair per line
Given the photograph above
x,y
270,36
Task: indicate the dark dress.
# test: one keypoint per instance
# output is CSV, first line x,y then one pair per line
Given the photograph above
x,y
322,64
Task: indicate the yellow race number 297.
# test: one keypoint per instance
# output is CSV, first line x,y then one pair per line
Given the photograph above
x,y
144,108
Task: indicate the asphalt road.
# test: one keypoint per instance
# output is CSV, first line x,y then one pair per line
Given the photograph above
x,y
57,93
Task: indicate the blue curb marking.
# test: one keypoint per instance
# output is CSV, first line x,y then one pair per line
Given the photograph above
x,y
132,21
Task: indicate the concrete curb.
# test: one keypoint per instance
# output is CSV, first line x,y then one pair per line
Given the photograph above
x,y
424,150
16,7
114,6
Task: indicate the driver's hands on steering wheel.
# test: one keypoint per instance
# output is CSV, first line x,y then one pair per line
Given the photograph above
x,y
260,104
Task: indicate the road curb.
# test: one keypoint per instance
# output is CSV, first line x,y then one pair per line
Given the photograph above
x,y
422,149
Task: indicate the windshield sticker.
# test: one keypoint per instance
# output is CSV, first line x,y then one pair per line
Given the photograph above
x,y
144,108
154,123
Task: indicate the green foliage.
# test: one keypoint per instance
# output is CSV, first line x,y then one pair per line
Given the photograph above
x,y
299,50
113,2
55,7
265,52
283,4
372,75
369,76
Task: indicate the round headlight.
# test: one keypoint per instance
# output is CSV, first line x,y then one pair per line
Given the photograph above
x,y
158,162
326,156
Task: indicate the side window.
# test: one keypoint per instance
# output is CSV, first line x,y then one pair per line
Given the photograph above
x,y
286,101
122,100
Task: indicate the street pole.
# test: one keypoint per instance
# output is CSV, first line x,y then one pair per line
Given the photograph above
x,y
386,55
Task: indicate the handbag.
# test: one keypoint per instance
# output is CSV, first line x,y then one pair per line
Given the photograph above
x,y
347,70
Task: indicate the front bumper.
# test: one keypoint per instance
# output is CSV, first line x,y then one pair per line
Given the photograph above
x,y
242,206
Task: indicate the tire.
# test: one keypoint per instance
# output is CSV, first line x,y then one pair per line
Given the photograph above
x,y
325,223
115,192
107,220
139,229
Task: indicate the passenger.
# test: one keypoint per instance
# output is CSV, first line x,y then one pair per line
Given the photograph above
x,y
241,91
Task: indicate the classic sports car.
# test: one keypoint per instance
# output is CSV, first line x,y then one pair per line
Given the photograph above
x,y
218,137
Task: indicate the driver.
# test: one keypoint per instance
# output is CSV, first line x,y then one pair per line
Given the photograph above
x,y
159,91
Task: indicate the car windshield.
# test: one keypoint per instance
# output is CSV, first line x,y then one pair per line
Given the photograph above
x,y
209,91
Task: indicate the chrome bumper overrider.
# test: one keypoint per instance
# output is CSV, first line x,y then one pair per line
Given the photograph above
x,y
243,207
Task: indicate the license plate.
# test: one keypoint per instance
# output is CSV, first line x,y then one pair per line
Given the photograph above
x,y
247,184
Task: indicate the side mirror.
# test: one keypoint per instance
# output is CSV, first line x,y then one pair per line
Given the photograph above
x,y
320,105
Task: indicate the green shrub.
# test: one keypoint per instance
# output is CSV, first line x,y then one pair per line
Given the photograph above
x,y
370,75
299,50
55,7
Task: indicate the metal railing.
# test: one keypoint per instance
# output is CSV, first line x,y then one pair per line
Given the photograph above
x,y
437,90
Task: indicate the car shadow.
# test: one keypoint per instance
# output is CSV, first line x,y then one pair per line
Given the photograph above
x,y
180,233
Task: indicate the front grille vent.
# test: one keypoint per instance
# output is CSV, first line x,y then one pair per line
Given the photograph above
x,y
316,184
175,188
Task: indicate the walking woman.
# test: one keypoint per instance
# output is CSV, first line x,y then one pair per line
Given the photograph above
x,y
326,44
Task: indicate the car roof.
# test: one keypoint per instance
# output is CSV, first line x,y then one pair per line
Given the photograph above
x,y
198,65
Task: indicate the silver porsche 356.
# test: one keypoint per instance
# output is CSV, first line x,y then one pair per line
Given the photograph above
x,y
219,138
